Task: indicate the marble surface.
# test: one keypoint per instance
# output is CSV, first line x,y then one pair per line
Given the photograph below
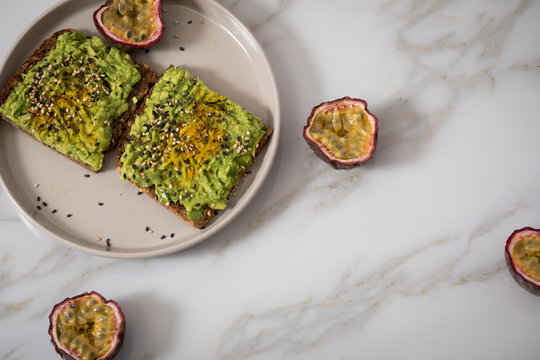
x,y
402,257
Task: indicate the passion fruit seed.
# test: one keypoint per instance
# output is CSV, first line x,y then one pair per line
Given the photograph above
x,y
342,132
87,327
522,253
526,255
134,23
134,15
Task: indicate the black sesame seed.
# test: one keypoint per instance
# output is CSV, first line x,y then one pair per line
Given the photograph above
x,y
38,198
69,215
100,204
172,235
203,227
139,192
54,211
38,207
147,228
189,22
182,48
163,237
108,242
44,203
86,175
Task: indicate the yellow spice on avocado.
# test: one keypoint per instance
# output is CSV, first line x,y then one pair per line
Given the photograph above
x,y
190,143
70,99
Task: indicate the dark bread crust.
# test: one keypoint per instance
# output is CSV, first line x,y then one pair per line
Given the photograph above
x,y
148,78
176,208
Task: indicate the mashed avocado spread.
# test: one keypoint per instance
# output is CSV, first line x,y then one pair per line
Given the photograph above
x,y
71,98
190,143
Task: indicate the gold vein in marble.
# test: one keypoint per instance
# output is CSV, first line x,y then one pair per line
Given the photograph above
x,y
490,37
8,355
301,326
341,181
53,262
33,272
9,219
5,308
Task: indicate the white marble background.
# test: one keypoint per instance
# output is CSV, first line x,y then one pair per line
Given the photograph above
x,y
402,258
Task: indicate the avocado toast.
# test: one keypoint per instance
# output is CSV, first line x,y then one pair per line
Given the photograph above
x,y
76,96
188,146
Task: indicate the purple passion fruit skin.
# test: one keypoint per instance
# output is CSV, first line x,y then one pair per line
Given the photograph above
x,y
131,23
522,254
342,132
87,327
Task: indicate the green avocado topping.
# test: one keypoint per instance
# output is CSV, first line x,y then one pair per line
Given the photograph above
x,y
191,144
70,99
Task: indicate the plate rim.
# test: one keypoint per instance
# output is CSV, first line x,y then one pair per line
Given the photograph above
x,y
269,157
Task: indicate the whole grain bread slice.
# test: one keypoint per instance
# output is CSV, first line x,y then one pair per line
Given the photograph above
x,y
148,78
176,208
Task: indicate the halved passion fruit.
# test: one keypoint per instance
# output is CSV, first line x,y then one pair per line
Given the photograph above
x,y
87,327
522,253
132,23
342,132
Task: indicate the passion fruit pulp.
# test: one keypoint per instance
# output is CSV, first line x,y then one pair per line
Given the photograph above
x,y
131,23
87,327
342,132
522,253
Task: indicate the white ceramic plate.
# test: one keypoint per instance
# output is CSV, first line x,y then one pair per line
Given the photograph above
x,y
218,49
